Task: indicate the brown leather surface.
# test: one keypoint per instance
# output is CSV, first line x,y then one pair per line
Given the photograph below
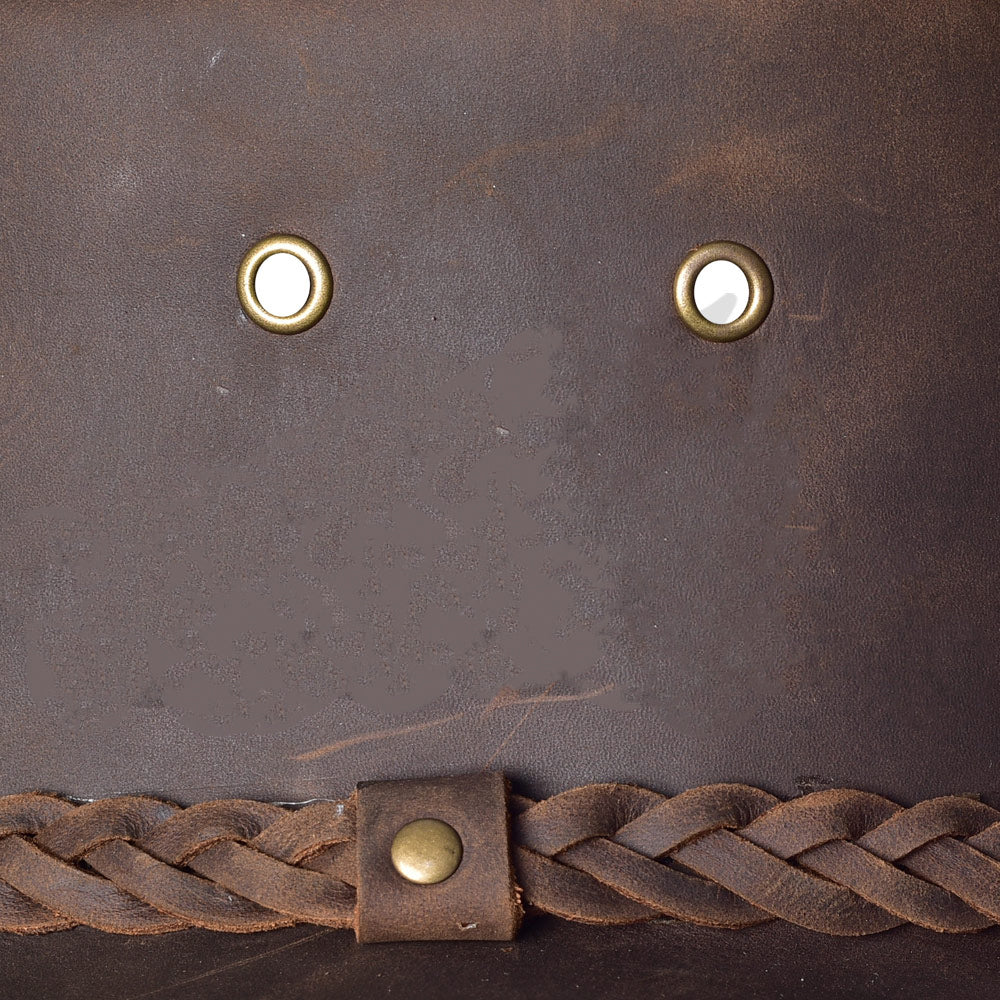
x,y
479,902
676,563
735,558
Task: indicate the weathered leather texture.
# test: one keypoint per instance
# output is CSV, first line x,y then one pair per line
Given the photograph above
x,y
479,902
838,861
499,509
133,865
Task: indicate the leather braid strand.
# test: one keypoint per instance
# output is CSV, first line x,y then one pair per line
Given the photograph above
x,y
136,865
841,861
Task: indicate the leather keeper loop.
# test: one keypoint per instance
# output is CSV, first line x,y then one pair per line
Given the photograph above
x,y
478,901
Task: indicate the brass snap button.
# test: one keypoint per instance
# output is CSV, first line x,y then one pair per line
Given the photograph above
x,y
320,284
758,278
426,851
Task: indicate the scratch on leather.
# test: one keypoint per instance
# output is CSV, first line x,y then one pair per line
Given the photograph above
x,y
505,698
233,965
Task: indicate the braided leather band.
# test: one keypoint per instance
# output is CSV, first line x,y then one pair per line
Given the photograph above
x,y
841,861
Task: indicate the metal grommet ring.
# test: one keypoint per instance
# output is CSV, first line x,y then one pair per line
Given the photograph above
x,y
320,284
758,277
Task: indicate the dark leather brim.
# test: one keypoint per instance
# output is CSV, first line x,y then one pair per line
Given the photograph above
x,y
551,958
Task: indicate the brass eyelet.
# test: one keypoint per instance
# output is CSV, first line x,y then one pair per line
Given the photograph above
x,y
320,284
758,277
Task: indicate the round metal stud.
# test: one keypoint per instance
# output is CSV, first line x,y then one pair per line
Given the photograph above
x,y
758,277
320,284
426,851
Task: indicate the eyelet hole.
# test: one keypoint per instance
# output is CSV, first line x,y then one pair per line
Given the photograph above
x,y
735,294
282,284
721,291
276,303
